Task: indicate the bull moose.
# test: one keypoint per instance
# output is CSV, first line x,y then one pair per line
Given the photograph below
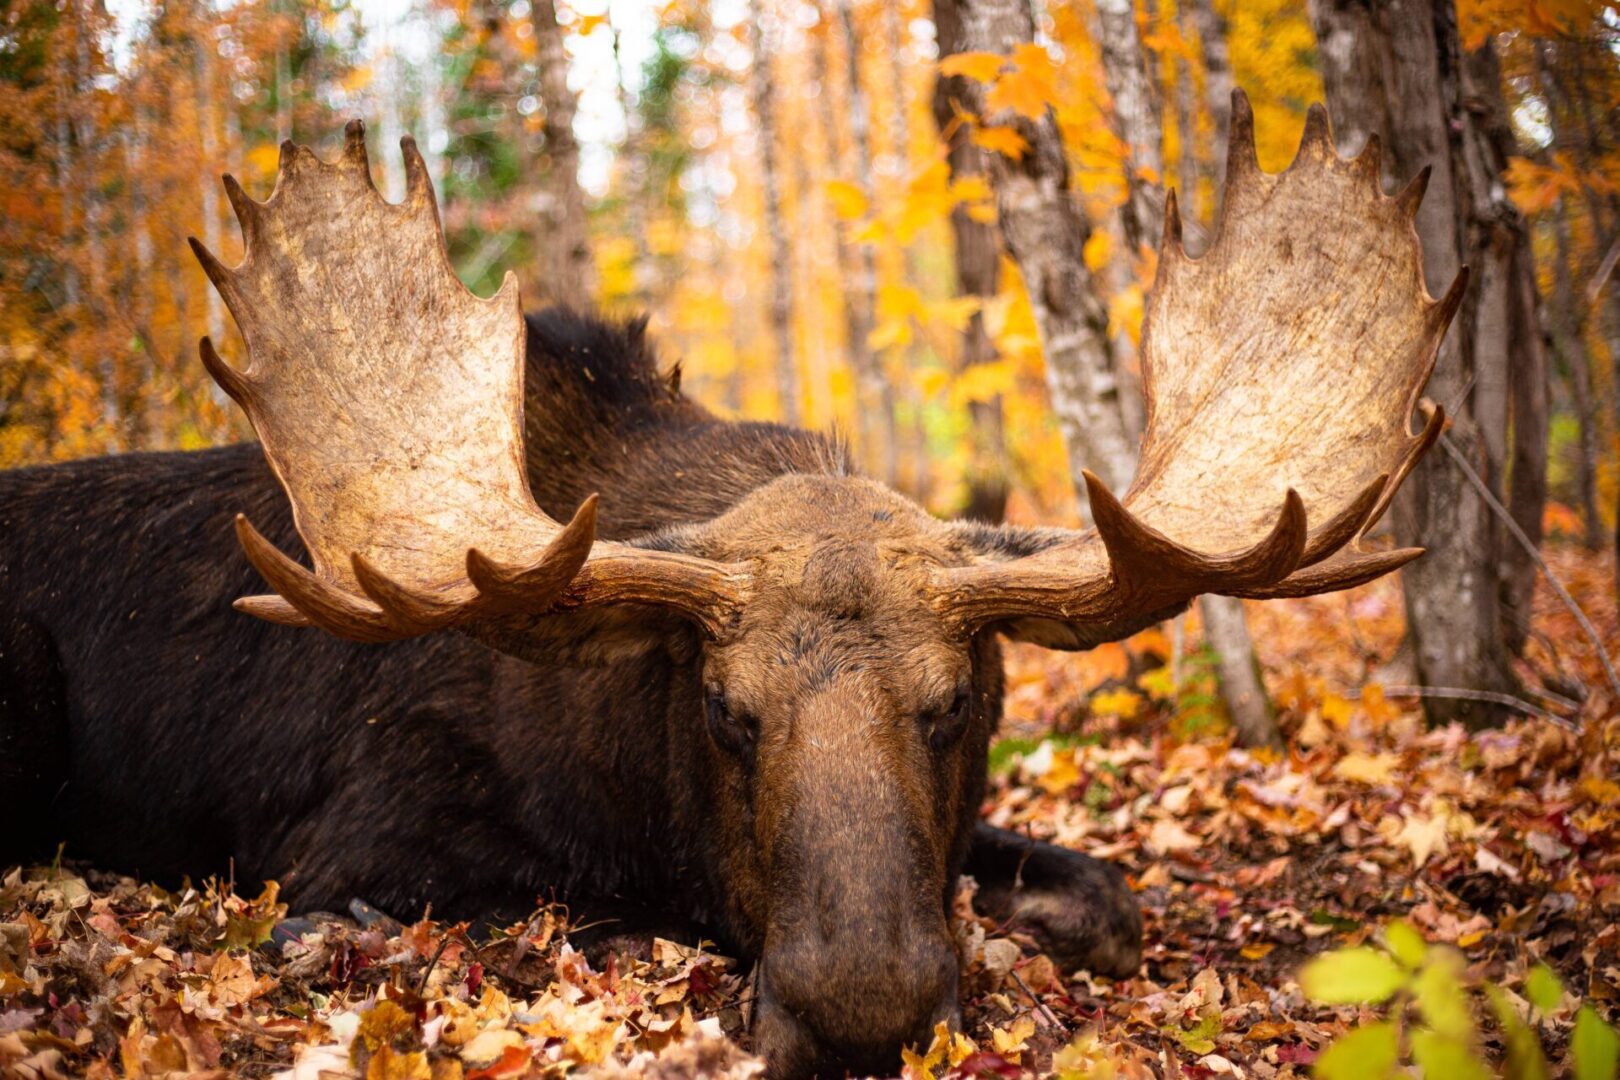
x,y
748,693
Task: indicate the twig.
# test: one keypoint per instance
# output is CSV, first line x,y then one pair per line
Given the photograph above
x,y
1530,548
1594,288
421,984
1455,693
1048,1014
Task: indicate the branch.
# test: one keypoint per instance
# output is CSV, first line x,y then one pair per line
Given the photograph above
x,y
1594,288
1458,694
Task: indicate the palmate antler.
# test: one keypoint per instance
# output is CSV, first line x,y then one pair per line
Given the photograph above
x,y
1281,370
388,400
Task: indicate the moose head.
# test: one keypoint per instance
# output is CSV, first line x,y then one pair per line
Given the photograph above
x,y
844,637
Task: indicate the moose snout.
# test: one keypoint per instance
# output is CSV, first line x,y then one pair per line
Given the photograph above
x,y
834,1004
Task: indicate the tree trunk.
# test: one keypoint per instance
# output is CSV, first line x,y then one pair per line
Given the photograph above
x,y
1218,85
978,273
877,394
1142,223
1226,629
1394,69
1577,369
858,305
1046,230
1567,318
781,307
567,271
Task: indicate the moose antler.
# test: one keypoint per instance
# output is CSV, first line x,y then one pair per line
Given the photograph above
x,y
1280,371
389,402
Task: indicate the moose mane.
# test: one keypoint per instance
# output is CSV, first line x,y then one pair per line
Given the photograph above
x,y
606,418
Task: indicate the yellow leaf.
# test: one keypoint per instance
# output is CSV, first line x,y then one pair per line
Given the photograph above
x,y
1062,775
1336,710
983,382
1095,253
971,189
955,312
930,381
1029,88
848,200
1011,1039
1362,768
1122,703
1257,950
264,159
1002,140
889,334
1424,836
979,66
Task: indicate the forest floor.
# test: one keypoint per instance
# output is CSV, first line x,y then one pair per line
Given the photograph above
x,y
1502,848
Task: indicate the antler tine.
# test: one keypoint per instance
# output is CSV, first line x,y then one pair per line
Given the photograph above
x,y
1346,524
1345,571
1371,159
418,183
1142,559
1241,157
1171,244
1317,137
541,582
233,382
272,608
324,604
221,275
1410,197
246,209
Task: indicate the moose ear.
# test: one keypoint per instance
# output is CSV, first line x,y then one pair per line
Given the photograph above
x,y
1009,543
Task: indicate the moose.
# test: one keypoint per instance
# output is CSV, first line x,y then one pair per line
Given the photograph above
x,y
703,678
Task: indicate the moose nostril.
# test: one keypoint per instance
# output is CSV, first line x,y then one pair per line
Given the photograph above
x,y
826,1009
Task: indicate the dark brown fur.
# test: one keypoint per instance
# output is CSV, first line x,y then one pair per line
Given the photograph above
x,y
805,790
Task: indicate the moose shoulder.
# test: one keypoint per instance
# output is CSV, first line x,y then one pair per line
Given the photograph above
x,y
729,684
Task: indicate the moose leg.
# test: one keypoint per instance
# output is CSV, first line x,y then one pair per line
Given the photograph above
x,y
1078,909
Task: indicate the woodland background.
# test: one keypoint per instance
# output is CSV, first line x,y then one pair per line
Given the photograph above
x,y
811,200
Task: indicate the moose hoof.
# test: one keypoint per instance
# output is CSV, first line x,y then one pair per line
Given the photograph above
x,y
1078,909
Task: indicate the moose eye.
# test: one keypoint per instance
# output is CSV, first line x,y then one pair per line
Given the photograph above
x,y
945,727
731,731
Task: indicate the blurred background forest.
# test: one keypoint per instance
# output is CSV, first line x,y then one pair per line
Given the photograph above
x,y
804,197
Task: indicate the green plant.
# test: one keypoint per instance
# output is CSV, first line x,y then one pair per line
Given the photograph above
x,y
1431,1020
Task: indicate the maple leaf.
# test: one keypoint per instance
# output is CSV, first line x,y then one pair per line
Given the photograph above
x,y
1029,87
1002,140
847,199
979,66
1363,768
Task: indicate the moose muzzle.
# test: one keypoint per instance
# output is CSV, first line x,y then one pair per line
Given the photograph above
x,y
858,960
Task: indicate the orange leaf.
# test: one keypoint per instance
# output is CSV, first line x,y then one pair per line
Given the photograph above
x,y
1002,140
980,66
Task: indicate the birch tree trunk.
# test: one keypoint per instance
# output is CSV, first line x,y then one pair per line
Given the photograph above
x,y
978,273
1136,113
858,308
1395,69
567,271
1218,83
763,90
877,394
1046,230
